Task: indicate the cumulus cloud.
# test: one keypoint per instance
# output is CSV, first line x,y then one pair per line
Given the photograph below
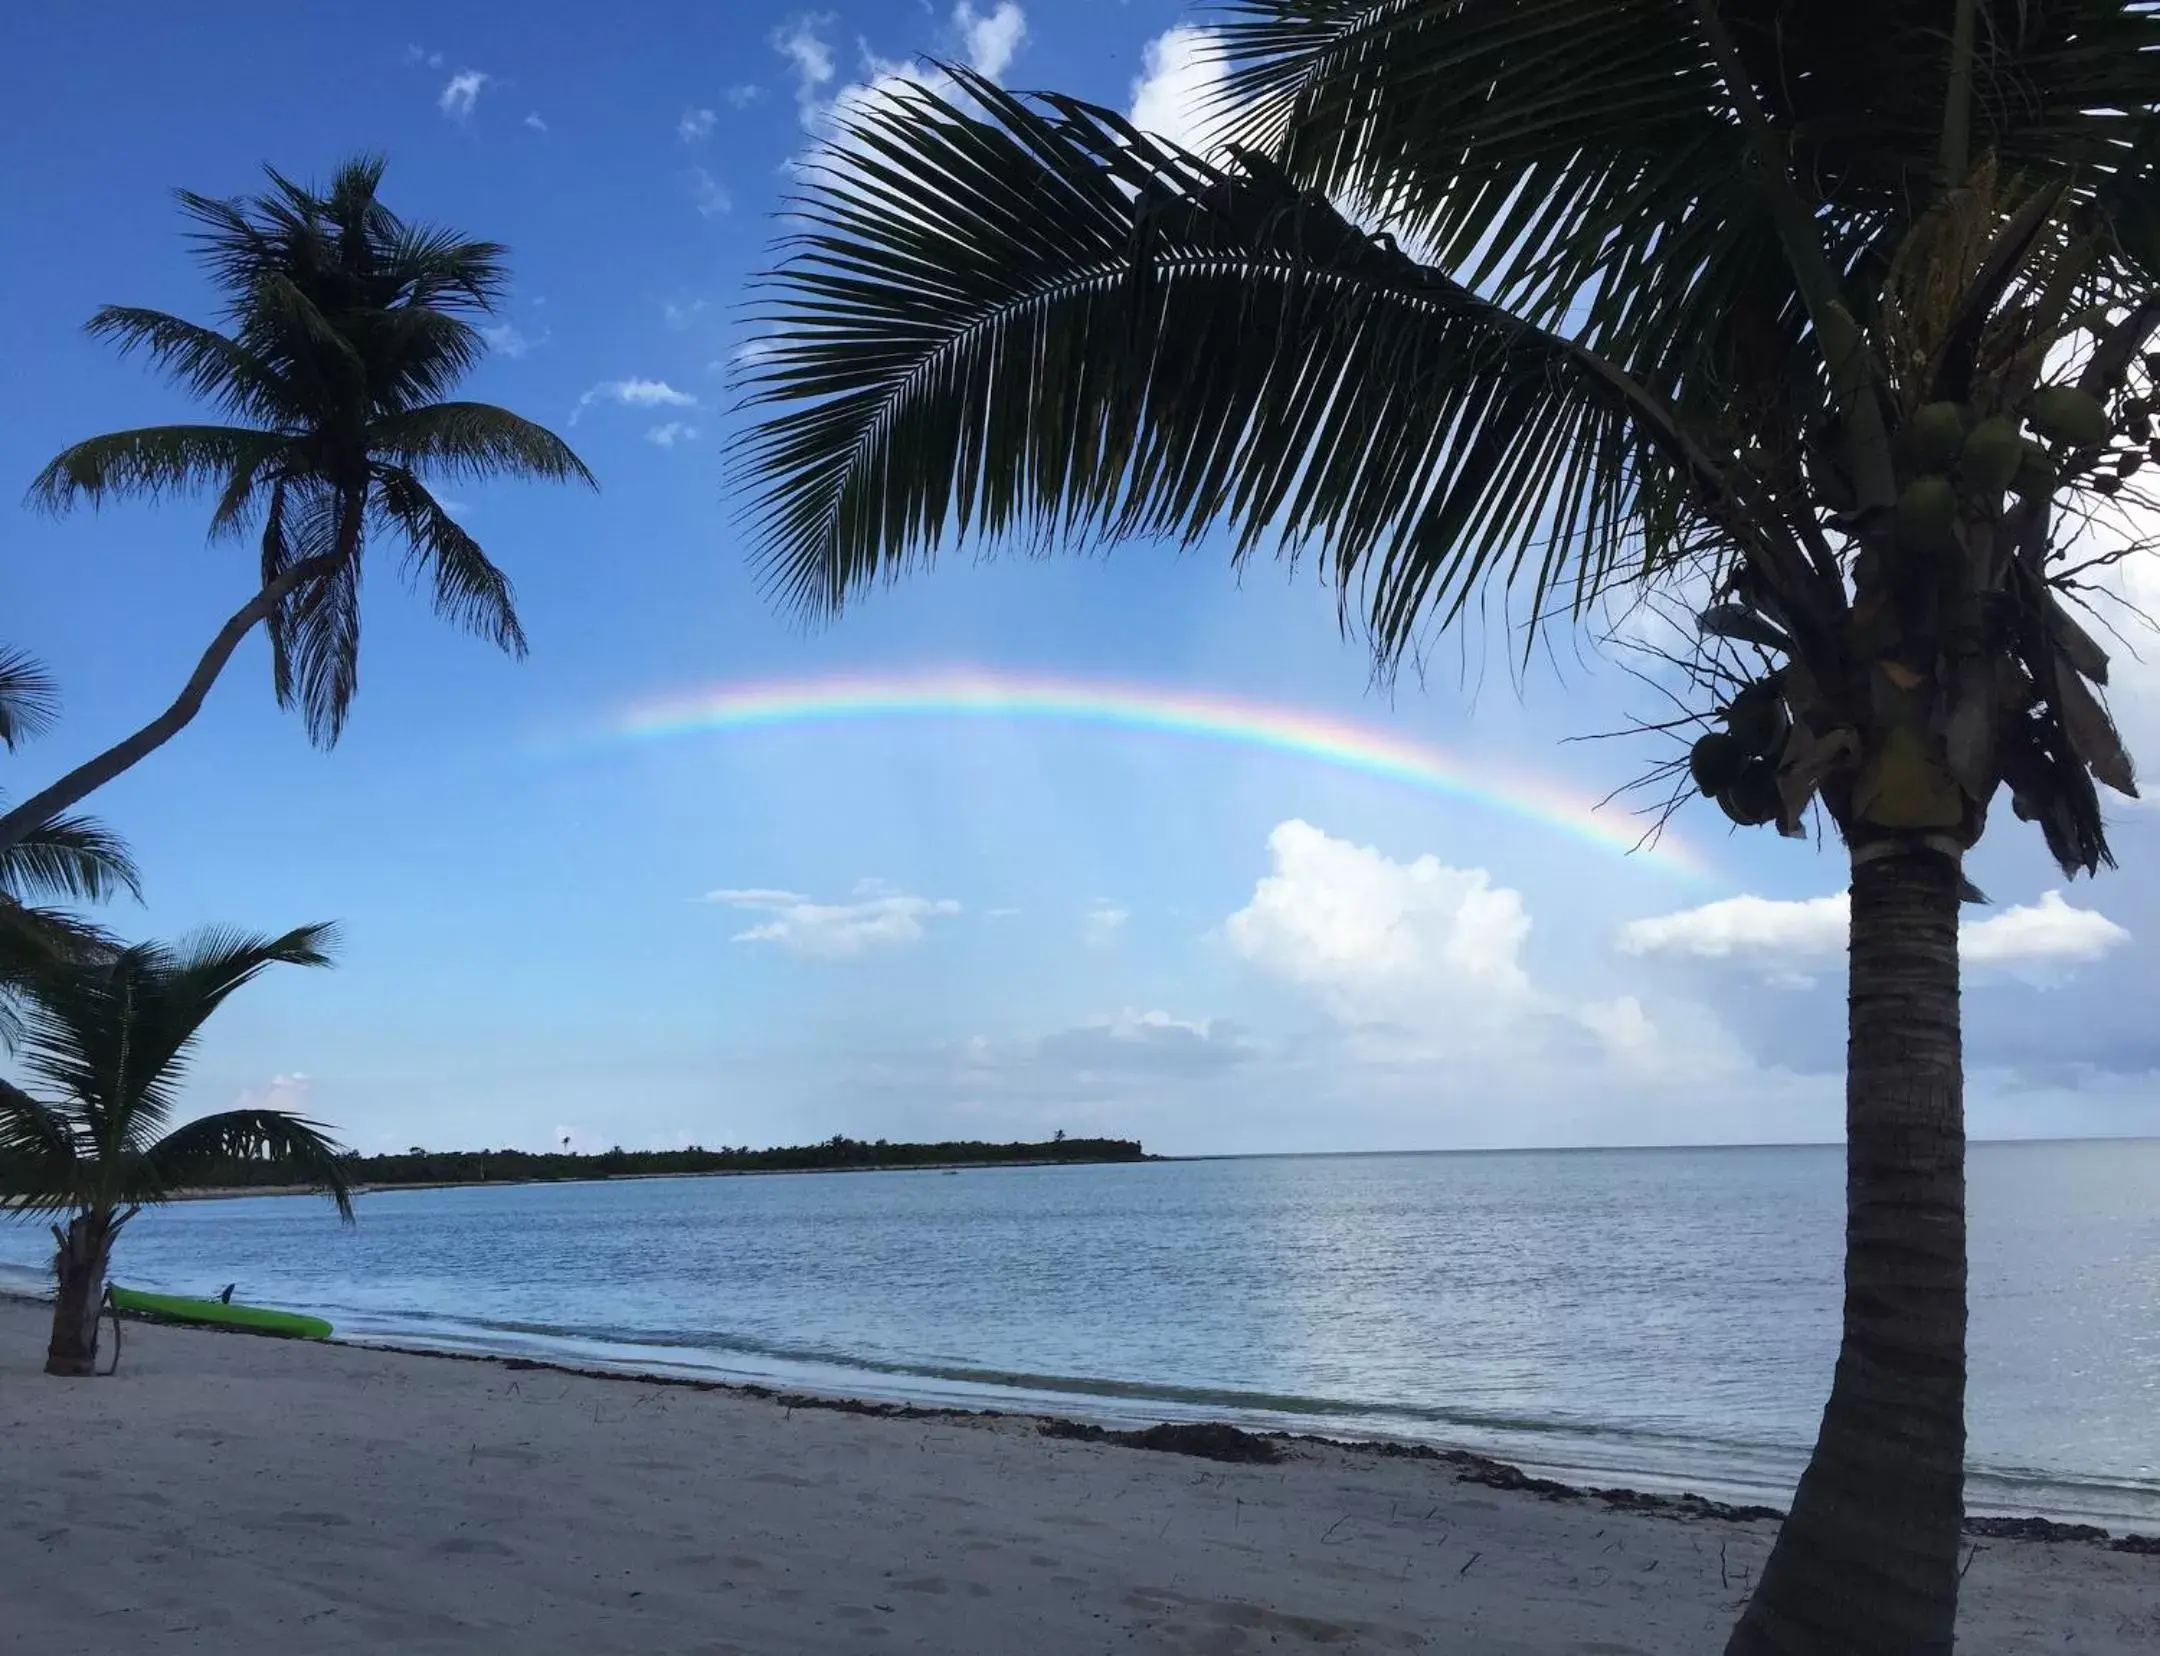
x,y
986,40
1180,71
802,43
879,918
670,433
989,39
461,92
1785,938
1378,937
743,96
422,56
1103,925
533,120
634,393
695,126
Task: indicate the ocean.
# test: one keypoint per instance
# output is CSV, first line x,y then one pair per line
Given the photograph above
x,y
1663,1319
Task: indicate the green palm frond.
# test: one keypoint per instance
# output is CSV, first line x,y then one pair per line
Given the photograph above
x,y
29,699
72,857
474,440
153,462
1042,322
467,588
41,1173
112,1035
193,1154
201,360
315,633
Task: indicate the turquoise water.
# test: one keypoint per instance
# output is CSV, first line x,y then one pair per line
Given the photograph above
x,y
1660,1318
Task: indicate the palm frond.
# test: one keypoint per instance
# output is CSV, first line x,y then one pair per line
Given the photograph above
x,y
193,1154
152,462
40,1171
315,633
467,588
71,856
201,360
1042,322
29,699
469,440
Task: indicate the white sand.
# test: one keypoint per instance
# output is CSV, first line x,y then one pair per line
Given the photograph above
x,y
254,1497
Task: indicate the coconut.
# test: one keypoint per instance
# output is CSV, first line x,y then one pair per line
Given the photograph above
x,y
1757,719
1716,761
2068,415
1930,439
2036,472
1927,514
1753,797
1991,455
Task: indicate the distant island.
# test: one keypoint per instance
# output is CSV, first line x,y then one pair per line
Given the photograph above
x,y
838,1154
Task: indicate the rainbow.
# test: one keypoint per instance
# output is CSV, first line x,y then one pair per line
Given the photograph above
x,y
975,693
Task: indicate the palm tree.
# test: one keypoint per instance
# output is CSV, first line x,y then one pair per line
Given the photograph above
x,y
1828,318
346,325
108,1040
67,858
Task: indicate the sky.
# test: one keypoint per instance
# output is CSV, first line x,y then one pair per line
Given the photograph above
x,y
1201,882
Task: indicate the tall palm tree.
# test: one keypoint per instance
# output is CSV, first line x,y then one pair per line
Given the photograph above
x,y
1831,315
65,859
345,328
108,1040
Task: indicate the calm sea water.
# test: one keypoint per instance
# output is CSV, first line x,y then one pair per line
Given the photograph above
x,y
1662,1318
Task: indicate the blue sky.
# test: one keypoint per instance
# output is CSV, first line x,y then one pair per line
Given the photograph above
x,y
972,928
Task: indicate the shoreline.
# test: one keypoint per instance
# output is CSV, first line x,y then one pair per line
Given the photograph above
x,y
1205,1440
262,1496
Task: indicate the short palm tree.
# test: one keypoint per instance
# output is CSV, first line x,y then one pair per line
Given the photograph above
x,y
66,859
345,327
107,1042
1830,318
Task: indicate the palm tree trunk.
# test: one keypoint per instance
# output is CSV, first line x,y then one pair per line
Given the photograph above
x,y
40,808
85,1250
1866,1565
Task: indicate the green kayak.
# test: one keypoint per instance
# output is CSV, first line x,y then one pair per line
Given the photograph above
x,y
255,1318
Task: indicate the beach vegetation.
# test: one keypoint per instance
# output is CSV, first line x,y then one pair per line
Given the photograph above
x,y
106,1040
345,327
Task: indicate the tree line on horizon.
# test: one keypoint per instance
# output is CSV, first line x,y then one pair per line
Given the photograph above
x,y
427,1167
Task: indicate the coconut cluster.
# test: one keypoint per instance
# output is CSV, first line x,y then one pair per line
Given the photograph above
x,y
1737,766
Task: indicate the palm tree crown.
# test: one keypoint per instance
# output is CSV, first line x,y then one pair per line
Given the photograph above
x,y
345,328
107,1042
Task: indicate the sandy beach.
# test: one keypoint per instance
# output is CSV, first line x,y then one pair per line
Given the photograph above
x,y
254,1496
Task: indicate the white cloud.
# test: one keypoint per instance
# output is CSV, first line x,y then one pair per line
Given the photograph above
x,y
878,919
743,96
989,39
634,393
505,338
422,56
799,41
708,194
1103,925
1180,70
682,314
695,126
533,120
289,1092
671,433
1380,939
461,92
1785,938
1152,1043
2049,932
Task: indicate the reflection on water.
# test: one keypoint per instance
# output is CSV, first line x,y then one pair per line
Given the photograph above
x,y
1665,1318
